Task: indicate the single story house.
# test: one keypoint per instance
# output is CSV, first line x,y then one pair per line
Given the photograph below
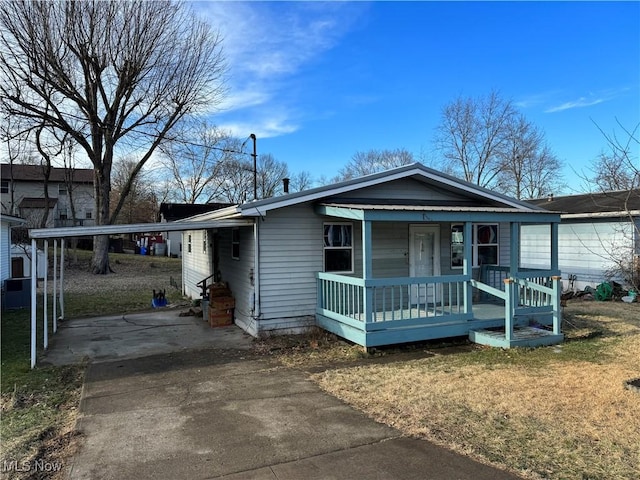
x,y
598,238
404,255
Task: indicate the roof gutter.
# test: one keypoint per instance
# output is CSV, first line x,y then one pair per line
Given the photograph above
x,y
620,214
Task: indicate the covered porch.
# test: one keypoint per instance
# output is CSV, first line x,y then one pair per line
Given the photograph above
x,y
498,305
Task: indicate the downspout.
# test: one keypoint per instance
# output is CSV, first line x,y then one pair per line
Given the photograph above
x,y
256,268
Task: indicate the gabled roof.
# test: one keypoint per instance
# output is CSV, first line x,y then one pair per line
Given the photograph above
x,y
35,173
613,202
417,171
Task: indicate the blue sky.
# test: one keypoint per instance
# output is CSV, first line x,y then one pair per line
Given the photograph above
x,y
317,82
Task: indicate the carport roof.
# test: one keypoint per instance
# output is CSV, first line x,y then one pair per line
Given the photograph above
x,y
67,232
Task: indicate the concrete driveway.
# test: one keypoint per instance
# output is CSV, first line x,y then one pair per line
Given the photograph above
x,y
189,412
100,339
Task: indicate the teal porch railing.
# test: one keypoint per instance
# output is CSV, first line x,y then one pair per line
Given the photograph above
x,y
442,304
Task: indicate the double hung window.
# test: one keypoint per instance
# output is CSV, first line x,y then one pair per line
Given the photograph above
x,y
338,247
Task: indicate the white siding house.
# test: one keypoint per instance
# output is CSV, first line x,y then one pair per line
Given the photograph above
x,y
22,193
385,258
596,231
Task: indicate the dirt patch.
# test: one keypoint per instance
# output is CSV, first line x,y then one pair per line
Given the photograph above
x,y
129,272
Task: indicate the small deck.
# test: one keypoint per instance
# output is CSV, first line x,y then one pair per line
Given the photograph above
x,y
375,312
521,337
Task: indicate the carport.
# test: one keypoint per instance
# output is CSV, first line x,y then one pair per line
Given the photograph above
x,y
57,237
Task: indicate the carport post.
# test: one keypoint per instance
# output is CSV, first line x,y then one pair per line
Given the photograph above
x,y
55,286
62,278
45,312
34,256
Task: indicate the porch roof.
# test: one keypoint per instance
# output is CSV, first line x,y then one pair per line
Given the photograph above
x,y
435,213
179,226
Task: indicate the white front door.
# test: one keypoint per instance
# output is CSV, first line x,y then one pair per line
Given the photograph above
x,y
424,261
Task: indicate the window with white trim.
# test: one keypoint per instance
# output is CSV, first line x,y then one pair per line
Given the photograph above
x,y
205,239
189,243
484,246
235,244
338,247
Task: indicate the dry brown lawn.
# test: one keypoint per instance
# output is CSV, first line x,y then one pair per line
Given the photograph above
x,y
557,412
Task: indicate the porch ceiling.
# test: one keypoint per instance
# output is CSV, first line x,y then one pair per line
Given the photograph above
x,y
422,213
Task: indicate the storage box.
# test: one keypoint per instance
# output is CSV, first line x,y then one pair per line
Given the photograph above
x,y
222,303
220,318
219,289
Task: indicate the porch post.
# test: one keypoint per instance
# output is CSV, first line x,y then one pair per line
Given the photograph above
x,y
55,286
554,247
508,308
34,280
514,253
45,310
555,302
467,266
367,269
62,278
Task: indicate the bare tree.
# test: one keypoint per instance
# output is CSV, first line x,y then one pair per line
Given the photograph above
x,y
237,184
140,203
372,161
16,147
616,175
529,169
194,160
300,181
618,168
472,135
270,175
112,75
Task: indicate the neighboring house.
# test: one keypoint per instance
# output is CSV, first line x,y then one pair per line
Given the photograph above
x,y
22,194
7,268
170,212
404,255
596,231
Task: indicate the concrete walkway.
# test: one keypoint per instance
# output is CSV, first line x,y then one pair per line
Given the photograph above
x,y
219,412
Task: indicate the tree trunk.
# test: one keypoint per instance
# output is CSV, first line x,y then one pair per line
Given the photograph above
x,y
100,261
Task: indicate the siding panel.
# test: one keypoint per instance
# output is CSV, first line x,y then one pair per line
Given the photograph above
x,y
584,248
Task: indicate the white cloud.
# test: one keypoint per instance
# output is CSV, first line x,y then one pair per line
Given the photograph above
x,y
265,45
262,128
593,98
578,103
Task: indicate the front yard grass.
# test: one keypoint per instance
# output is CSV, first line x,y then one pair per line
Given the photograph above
x,y
559,412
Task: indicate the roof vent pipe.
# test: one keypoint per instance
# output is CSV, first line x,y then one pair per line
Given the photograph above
x,y
285,185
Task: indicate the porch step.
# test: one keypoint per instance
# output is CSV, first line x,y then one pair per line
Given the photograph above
x,y
522,337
